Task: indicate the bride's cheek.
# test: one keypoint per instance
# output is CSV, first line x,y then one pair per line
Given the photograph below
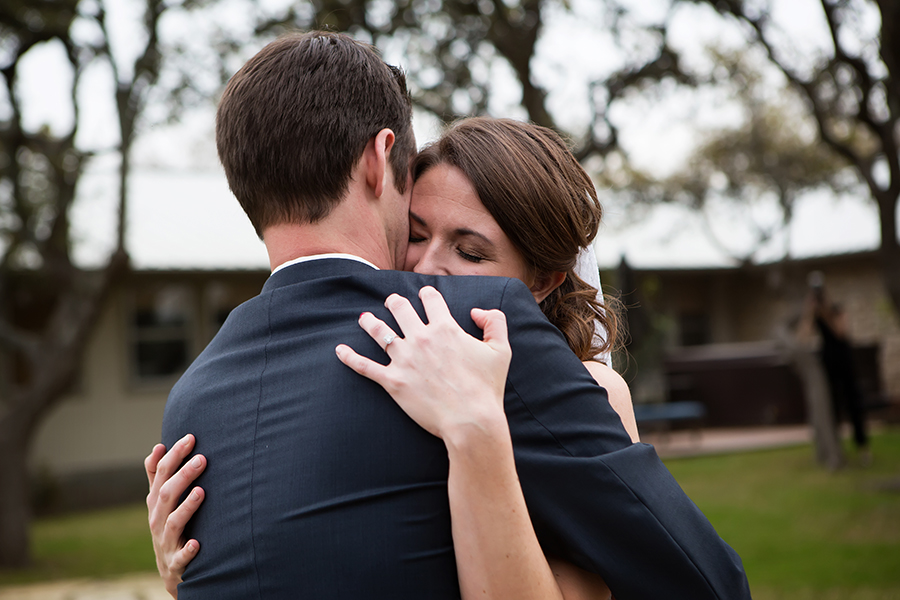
x,y
413,254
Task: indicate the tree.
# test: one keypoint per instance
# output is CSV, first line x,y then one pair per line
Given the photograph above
x,y
753,172
852,91
48,304
451,46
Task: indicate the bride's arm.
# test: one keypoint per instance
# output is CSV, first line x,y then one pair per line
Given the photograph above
x,y
452,385
497,552
618,393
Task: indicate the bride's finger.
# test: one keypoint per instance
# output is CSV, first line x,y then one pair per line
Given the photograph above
x,y
361,365
435,306
178,519
184,556
405,314
493,323
379,331
152,460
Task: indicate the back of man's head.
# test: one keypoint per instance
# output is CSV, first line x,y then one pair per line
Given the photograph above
x,y
294,121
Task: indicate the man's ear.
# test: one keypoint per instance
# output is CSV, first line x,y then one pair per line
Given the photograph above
x,y
545,283
375,160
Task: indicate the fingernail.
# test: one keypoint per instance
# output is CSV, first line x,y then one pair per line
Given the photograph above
x,y
195,495
186,439
191,547
195,462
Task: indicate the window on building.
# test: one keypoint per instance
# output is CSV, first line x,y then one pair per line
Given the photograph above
x,y
161,332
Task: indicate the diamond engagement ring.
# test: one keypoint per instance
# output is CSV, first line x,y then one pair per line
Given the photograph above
x,y
388,339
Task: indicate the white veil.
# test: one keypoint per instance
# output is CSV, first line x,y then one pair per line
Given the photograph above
x,y
588,270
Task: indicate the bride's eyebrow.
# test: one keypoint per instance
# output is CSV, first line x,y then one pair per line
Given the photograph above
x,y
461,232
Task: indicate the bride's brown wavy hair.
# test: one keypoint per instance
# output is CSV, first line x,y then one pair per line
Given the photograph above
x,y
545,203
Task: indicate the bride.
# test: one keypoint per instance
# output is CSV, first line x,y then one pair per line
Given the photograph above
x,y
491,197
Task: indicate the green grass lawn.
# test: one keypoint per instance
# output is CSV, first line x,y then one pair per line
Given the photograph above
x,y
97,544
803,533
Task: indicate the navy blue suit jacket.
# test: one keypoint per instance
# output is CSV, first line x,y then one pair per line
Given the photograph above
x,y
319,486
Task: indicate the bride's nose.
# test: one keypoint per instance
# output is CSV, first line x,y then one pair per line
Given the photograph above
x,y
430,262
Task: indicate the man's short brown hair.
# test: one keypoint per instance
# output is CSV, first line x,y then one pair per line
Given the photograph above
x,y
295,120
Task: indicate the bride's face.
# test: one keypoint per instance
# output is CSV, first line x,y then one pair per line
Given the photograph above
x,y
452,233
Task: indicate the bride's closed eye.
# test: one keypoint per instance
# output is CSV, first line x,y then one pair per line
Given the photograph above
x,y
469,257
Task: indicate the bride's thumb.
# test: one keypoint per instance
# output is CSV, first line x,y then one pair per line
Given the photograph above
x,y
493,323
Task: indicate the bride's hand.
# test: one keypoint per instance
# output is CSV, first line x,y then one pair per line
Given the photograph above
x,y
167,518
442,377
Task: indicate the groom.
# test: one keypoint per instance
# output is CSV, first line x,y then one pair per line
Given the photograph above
x,y
319,486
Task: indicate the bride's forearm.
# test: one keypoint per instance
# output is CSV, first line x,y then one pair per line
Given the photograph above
x,y
497,551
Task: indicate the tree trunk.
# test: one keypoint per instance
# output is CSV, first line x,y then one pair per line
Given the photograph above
x,y
65,339
890,247
805,361
829,452
15,505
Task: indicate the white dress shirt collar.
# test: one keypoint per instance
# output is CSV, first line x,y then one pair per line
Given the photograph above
x,y
321,256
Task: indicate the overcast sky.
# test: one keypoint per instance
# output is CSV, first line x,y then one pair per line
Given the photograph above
x,y
182,214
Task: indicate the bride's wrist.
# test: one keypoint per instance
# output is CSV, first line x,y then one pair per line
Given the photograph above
x,y
487,432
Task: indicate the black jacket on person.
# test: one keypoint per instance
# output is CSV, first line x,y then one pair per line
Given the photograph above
x,y
319,486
